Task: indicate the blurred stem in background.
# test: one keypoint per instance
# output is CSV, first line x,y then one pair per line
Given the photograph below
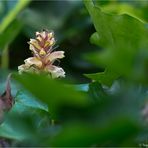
x,y
5,58
10,26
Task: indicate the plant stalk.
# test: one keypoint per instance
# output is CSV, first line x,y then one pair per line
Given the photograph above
x,y
5,58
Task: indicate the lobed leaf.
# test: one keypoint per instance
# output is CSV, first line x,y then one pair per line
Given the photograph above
x,y
123,39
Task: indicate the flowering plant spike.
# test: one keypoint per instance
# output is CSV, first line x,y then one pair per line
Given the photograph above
x,y
43,56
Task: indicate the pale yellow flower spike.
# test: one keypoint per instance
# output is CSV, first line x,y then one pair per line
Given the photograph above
x,y
43,57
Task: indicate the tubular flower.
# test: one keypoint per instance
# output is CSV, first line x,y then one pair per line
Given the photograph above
x,y
43,56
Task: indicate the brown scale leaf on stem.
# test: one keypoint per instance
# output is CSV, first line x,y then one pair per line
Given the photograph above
x,y
6,99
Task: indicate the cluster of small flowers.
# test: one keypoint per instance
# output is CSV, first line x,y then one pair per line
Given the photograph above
x,y
43,56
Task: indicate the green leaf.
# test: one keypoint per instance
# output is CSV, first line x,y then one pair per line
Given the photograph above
x,y
107,77
52,92
96,91
22,130
84,135
25,98
33,118
124,8
121,48
13,129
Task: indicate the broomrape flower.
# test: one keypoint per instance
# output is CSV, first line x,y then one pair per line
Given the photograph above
x,y
43,56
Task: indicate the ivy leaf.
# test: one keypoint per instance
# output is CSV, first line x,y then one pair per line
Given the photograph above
x,y
107,77
122,37
124,8
33,118
25,98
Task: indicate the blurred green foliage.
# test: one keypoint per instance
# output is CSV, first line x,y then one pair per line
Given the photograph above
x,y
122,49
102,100
9,26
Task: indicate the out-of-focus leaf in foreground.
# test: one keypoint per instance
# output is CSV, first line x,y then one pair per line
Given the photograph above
x,y
111,120
112,134
52,92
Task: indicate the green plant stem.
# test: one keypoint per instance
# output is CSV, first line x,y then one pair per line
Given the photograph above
x,y
5,58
